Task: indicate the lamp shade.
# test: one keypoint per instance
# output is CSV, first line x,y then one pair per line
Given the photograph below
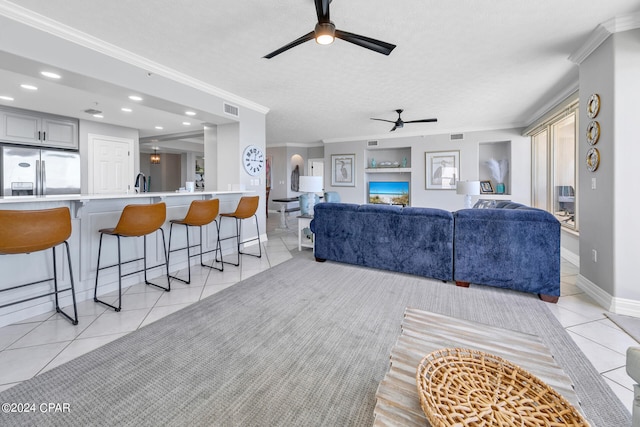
x,y
310,184
471,188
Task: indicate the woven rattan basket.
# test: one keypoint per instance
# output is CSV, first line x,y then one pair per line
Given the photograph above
x,y
463,387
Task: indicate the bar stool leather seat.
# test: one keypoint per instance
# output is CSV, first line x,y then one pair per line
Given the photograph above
x,y
135,221
247,207
200,213
28,231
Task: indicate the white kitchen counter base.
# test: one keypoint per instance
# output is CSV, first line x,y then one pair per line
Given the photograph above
x,y
89,214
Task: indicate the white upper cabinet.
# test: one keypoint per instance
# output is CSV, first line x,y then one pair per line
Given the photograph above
x,y
32,128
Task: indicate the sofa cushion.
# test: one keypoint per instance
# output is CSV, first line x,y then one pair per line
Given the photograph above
x,y
409,240
515,247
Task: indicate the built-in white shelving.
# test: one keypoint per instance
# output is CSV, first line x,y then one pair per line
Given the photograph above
x,y
388,170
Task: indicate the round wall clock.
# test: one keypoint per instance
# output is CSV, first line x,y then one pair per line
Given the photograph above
x,y
593,159
593,132
253,160
593,106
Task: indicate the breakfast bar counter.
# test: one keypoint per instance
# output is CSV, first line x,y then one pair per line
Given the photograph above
x,y
90,213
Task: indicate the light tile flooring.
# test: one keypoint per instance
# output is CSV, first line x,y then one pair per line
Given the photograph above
x,y
41,343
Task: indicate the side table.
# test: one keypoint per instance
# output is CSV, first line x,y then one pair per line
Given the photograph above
x,y
283,210
304,221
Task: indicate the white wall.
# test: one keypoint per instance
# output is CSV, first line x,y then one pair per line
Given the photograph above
x,y
520,166
607,224
626,156
282,166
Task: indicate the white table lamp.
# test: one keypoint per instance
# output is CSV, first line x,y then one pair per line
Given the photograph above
x,y
311,185
468,189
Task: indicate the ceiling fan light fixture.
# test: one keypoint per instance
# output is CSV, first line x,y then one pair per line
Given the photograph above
x,y
325,32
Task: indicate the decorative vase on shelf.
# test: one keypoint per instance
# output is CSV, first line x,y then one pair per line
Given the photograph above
x,y
404,162
500,188
373,163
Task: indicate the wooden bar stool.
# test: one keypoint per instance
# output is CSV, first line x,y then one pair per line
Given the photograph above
x,y
201,212
247,207
135,221
24,232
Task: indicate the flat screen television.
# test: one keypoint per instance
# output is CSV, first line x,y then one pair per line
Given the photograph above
x,y
389,192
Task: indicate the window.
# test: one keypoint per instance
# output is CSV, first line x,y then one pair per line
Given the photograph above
x,y
553,144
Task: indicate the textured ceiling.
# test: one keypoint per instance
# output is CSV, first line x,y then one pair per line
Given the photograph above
x,y
473,64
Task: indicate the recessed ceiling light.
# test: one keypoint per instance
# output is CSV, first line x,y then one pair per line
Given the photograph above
x,y
98,116
186,123
28,87
190,113
135,98
50,74
6,98
126,110
159,127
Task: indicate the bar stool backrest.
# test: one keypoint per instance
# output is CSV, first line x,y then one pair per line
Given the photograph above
x,y
30,231
202,212
247,207
139,220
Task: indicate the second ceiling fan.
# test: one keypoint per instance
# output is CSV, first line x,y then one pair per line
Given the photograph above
x,y
325,32
399,124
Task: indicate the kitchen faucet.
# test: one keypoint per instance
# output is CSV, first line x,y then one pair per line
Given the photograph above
x,y
141,179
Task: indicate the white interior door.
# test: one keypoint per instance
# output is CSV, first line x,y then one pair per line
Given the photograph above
x,y
110,164
316,167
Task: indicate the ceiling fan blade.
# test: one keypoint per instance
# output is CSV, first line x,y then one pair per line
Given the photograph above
x,y
422,121
393,129
383,120
366,42
322,10
305,38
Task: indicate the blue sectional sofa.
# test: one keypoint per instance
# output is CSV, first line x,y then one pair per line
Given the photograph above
x,y
509,246
409,240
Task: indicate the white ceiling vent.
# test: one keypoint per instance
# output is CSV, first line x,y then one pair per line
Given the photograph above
x,y
372,143
231,110
456,137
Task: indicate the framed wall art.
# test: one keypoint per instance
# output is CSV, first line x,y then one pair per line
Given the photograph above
x,y
486,187
442,169
343,170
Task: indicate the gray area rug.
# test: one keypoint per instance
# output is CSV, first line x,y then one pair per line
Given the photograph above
x,y
629,324
302,344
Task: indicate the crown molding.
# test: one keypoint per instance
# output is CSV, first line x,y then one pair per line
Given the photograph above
x,y
295,144
558,102
422,134
602,33
65,32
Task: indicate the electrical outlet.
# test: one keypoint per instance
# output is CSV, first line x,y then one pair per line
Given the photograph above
x,y
593,183
594,255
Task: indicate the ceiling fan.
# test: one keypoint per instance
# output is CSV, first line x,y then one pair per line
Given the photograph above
x,y
325,32
399,124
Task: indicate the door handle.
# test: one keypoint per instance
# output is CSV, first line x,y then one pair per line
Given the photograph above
x,y
44,179
37,177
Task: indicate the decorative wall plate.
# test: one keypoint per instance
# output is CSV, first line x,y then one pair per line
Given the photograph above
x,y
593,132
593,159
593,106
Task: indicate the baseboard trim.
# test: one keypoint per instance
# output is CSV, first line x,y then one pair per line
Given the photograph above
x,y
627,307
594,291
570,256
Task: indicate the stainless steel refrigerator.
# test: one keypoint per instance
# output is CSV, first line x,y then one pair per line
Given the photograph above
x,y
28,171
